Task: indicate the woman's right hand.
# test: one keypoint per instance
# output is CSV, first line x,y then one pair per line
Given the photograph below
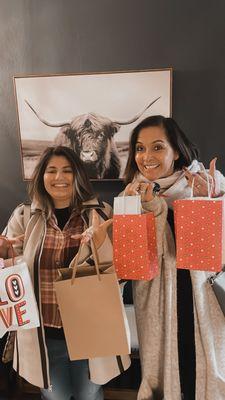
x,y
144,189
6,245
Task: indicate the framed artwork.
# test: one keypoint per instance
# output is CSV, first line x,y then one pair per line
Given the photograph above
x,y
93,113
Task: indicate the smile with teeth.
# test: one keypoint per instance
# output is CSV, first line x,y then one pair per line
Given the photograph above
x,y
60,185
151,166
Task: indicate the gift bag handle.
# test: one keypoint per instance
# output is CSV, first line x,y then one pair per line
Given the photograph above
x,y
11,247
138,197
209,186
74,264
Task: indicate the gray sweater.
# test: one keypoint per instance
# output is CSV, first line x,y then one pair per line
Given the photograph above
x,y
156,312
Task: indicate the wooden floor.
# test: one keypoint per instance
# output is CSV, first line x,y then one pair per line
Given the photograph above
x,y
28,396
109,394
114,395
117,389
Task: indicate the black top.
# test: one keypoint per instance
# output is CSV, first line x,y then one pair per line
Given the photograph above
x,y
62,216
185,321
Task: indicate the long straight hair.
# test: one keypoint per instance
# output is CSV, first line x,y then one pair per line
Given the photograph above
x,y
82,187
178,140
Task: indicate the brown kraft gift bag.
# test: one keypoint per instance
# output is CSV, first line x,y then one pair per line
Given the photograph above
x,y
92,311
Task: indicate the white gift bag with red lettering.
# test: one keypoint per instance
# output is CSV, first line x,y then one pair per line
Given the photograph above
x,y
18,307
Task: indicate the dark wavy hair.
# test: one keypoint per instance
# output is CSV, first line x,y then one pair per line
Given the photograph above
x,y
180,143
82,187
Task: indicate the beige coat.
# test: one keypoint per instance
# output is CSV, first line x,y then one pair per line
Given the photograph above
x,y
156,312
30,353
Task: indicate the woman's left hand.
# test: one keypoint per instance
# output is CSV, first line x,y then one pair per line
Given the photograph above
x,y
201,181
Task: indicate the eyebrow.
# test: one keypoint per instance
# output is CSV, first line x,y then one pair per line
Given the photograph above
x,y
54,167
155,141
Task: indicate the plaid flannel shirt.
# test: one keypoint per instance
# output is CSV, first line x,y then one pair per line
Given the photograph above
x,y
59,249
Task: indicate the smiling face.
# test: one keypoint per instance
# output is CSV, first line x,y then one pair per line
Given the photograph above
x,y
154,154
59,181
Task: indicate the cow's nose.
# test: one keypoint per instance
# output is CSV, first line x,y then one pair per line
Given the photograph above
x,y
87,123
89,155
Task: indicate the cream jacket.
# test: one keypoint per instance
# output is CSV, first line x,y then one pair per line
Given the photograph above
x,y
30,357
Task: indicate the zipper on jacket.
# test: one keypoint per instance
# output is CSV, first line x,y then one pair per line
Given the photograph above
x,y
40,308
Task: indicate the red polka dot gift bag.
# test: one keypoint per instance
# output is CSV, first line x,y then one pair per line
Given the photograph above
x,y
134,240
198,229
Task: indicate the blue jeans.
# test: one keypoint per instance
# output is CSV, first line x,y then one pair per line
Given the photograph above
x,y
68,378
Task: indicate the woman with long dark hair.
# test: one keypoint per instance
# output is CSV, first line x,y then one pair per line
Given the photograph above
x,y
180,325
63,206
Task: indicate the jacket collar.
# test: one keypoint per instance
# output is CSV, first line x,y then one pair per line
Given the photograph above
x,y
93,203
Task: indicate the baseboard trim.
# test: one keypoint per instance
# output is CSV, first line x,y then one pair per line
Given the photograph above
x,y
119,394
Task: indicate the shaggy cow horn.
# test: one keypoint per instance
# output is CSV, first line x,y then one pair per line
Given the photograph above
x,y
46,122
138,115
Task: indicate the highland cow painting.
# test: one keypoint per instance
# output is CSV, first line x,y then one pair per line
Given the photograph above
x,y
93,114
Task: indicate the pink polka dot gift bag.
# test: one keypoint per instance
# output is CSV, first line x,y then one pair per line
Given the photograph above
x,y
134,240
199,231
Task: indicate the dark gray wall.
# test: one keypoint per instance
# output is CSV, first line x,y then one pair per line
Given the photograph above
x,y
58,36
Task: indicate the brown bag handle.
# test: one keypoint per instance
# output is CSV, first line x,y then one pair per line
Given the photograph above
x,y
10,246
74,262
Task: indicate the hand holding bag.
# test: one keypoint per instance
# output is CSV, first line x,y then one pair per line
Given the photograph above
x,y
92,312
18,307
134,240
198,228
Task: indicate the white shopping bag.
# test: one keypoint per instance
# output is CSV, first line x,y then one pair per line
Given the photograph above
x,y
127,205
18,307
